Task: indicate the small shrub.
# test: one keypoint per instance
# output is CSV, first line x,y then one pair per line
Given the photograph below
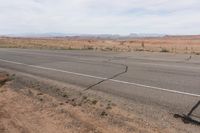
x,y
94,102
103,113
164,50
122,42
65,95
87,47
142,45
139,49
106,49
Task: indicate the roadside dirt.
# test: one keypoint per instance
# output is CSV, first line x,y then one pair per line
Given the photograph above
x,y
3,78
30,107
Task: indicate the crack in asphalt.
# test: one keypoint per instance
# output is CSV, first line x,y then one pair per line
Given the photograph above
x,y
114,76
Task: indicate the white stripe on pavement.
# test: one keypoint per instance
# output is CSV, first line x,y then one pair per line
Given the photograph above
x,y
102,78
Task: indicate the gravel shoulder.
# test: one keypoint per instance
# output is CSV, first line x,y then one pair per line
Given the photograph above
x,y
30,104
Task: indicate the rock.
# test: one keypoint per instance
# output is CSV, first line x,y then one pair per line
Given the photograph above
x,y
103,113
39,94
94,102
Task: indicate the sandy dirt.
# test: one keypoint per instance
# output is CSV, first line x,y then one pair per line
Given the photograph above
x,y
173,44
25,109
44,114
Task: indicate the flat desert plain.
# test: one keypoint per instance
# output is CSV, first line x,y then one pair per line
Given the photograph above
x,y
172,44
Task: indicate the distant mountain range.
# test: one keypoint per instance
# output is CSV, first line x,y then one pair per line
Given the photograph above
x,y
103,36
51,34
94,36
146,35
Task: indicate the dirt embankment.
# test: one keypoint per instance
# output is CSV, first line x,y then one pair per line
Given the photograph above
x,y
4,77
29,106
182,44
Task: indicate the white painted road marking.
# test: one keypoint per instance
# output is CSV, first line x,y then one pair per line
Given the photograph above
x,y
52,69
102,78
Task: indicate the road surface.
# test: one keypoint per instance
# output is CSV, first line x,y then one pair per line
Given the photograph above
x,y
169,80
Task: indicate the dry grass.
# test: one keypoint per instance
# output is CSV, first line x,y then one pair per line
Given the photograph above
x,y
28,110
25,108
182,44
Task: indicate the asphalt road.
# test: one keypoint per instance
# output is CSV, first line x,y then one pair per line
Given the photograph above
x,y
169,80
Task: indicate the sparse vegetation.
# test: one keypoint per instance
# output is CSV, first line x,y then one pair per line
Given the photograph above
x,y
164,50
64,95
4,77
168,44
139,49
88,47
142,45
48,107
94,101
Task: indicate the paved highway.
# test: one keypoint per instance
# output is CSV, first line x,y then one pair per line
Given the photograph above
x,y
169,80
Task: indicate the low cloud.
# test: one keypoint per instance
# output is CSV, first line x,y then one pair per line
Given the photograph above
x,y
100,16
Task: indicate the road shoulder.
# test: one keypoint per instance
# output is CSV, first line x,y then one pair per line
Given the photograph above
x,y
33,104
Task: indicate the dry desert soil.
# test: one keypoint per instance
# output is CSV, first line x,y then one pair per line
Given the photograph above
x,y
172,44
32,105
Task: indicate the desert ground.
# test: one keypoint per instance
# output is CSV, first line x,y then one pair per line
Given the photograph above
x,y
172,44
26,107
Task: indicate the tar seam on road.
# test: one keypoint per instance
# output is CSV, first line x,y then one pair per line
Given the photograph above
x,y
116,75
112,80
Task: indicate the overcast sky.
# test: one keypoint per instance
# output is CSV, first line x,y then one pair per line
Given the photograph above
x,y
100,16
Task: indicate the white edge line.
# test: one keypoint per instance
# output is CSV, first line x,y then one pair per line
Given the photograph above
x,y
52,69
102,78
155,88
